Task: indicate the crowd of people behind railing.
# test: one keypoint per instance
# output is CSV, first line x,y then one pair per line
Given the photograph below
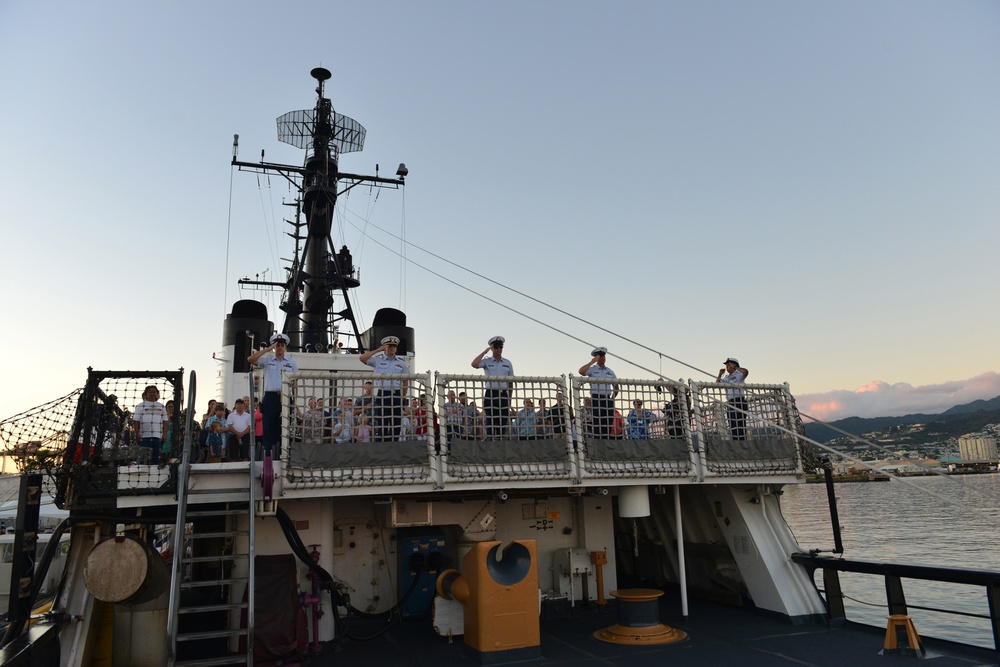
x,y
223,435
371,418
387,411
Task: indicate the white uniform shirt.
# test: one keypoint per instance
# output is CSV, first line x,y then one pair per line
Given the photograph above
x,y
495,368
605,390
733,378
383,365
273,368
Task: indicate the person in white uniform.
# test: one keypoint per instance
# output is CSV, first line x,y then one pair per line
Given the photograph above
x,y
602,394
736,412
388,405
270,405
496,399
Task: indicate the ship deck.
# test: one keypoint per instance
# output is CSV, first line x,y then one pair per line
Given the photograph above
x,y
718,634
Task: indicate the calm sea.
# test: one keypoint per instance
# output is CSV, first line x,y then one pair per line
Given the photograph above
x,y
941,520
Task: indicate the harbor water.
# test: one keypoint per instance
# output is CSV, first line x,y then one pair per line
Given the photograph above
x,y
939,521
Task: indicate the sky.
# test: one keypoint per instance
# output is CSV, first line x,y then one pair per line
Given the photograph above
x,y
809,187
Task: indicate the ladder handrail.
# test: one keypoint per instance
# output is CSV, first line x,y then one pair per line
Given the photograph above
x,y
183,473
251,537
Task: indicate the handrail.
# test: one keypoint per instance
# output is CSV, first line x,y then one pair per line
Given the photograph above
x,y
183,472
894,573
251,548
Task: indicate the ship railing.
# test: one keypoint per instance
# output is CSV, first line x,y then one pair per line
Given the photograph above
x,y
746,430
336,434
633,428
893,575
504,429
183,475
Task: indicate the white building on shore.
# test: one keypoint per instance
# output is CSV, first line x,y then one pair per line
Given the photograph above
x,y
977,448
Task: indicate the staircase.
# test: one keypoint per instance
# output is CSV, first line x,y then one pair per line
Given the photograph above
x,y
211,616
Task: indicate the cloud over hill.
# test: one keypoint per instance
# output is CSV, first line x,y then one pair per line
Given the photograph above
x,y
880,399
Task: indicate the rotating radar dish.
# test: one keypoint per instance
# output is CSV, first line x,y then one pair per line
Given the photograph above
x,y
298,127
320,73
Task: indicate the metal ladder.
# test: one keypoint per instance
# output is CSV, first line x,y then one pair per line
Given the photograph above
x,y
205,587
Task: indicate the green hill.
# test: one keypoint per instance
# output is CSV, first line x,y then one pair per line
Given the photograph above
x,y
956,421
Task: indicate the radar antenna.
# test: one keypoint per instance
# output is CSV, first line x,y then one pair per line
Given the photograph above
x,y
321,270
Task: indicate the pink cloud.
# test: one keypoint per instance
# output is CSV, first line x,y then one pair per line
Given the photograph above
x,y
880,399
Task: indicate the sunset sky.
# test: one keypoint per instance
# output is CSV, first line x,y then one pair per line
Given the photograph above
x,y
809,187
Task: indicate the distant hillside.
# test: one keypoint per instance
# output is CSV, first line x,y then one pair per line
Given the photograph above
x,y
859,425
955,425
951,423
975,406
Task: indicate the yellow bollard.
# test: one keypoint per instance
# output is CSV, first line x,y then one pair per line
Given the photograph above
x,y
912,638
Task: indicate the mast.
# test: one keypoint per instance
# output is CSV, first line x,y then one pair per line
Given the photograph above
x,y
320,271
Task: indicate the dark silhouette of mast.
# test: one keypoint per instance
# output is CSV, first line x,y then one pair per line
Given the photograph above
x,y
319,271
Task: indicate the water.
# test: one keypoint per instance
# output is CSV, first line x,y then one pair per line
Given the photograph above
x,y
941,520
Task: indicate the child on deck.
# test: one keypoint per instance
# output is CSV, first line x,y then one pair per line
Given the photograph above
x,y
406,426
342,426
364,431
216,441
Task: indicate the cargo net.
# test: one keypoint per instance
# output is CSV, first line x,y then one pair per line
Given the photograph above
x,y
633,428
125,434
347,429
34,441
747,430
504,429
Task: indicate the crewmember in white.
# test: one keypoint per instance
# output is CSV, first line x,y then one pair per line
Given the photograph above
x,y
496,400
270,405
602,394
736,411
389,400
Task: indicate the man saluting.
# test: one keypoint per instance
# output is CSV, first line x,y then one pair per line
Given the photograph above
x,y
270,406
389,401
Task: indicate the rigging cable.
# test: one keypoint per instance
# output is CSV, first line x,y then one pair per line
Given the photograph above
x,y
269,231
229,228
402,255
779,427
530,298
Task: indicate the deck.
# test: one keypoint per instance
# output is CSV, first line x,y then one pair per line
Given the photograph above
x,y
717,635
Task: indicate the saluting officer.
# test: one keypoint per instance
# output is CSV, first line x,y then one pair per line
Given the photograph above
x,y
736,411
389,400
270,405
496,400
602,394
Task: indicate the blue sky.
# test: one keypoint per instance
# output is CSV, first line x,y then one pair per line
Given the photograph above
x,y
811,187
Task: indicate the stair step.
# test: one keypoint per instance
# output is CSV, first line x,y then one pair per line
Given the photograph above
x,y
218,491
210,634
232,511
210,559
202,583
209,662
229,470
224,533
212,607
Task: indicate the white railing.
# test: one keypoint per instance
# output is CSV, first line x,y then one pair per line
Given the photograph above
x,y
339,431
634,428
336,433
518,432
749,429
